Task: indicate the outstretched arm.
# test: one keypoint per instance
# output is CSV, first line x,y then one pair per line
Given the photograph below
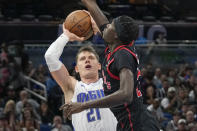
x,y
57,69
95,12
122,96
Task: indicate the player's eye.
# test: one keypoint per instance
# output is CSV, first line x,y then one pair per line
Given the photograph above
x,y
82,58
91,57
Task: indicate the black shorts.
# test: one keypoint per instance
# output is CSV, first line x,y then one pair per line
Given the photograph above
x,y
138,122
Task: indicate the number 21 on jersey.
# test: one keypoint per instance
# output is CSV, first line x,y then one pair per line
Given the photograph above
x,y
93,114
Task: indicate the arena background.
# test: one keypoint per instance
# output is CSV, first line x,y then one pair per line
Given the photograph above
x,y
166,45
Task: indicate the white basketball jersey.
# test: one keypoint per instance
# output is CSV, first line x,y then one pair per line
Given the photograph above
x,y
94,119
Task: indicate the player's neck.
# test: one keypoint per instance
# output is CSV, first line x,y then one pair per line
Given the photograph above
x,y
112,47
88,80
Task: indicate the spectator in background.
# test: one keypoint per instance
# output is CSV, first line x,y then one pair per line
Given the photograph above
x,y
50,84
169,103
161,38
30,70
10,113
4,69
193,95
184,109
171,77
11,94
29,121
191,82
4,53
182,125
161,92
42,69
28,105
150,95
24,98
188,73
194,128
58,126
30,125
4,126
165,85
182,97
173,124
156,79
46,114
190,119
156,110
178,82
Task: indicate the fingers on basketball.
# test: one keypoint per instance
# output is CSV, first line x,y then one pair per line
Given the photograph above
x,y
79,23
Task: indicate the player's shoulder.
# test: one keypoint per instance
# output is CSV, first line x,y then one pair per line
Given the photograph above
x,y
124,51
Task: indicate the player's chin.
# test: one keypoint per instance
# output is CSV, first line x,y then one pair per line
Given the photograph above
x,y
104,36
89,75
105,39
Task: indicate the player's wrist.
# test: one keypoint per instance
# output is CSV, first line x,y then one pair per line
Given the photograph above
x,y
84,106
64,37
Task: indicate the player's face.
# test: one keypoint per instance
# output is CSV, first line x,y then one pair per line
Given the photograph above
x,y
109,33
87,64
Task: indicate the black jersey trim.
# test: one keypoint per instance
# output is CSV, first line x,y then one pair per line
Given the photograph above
x,y
106,49
129,115
108,57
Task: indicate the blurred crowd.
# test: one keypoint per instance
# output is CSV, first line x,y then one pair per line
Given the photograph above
x,y
19,109
169,93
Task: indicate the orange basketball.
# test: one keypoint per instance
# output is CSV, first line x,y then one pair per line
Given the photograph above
x,y
79,23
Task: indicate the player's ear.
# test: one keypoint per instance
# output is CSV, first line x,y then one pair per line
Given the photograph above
x,y
76,69
99,66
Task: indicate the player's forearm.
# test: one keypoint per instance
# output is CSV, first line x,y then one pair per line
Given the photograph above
x,y
115,99
96,12
54,52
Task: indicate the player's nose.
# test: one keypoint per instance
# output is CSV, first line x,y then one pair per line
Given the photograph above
x,y
87,61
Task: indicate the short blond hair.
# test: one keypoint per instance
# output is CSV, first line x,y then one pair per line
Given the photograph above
x,y
9,106
87,48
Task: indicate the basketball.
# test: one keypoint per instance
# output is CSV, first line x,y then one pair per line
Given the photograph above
x,y
79,23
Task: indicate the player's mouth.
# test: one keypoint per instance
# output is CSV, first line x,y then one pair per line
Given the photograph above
x,y
88,67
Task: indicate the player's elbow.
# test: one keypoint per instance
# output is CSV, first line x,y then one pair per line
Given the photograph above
x,y
48,56
128,97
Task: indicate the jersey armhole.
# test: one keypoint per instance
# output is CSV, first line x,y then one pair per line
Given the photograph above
x,y
75,90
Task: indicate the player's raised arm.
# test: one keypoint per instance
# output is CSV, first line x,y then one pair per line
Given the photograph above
x,y
95,12
57,69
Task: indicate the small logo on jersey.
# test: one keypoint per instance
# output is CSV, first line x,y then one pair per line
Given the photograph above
x,y
105,81
139,93
91,95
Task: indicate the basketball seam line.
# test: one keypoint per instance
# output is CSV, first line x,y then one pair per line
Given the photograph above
x,y
78,22
87,30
